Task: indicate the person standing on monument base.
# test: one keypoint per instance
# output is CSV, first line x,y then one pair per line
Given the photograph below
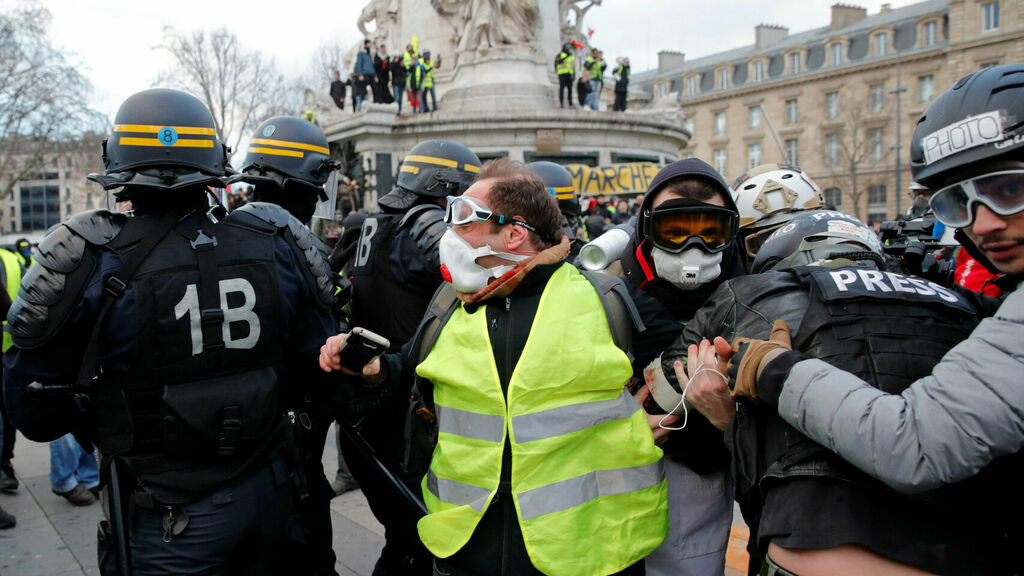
x,y
565,67
366,74
621,76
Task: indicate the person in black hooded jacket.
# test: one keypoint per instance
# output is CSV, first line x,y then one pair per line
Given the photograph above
x,y
683,247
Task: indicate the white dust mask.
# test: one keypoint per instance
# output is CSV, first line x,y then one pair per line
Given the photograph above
x,y
689,269
459,267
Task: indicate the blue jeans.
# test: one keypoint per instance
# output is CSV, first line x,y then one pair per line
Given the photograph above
x,y
595,94
433,98
396,93
359,102
70,465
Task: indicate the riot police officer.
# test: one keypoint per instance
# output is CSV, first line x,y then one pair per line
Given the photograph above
x,y
559,183
394,273
288,162
178,330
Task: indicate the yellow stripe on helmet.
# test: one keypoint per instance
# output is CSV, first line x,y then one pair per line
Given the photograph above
x,y
181,143
568,196
275,151
410,169
471,168
190,130
432,160
287,144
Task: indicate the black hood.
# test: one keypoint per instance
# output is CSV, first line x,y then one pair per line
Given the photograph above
x,y
638,265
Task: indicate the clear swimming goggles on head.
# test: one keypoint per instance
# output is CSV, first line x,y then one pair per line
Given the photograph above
x,y
464,210
1002,192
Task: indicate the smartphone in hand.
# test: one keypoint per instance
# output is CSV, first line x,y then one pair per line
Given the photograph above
x,y
362,348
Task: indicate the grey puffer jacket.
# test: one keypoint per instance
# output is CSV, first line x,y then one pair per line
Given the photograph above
x,y
942,429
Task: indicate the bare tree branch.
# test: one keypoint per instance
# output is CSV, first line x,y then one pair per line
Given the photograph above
x,y
43,97
240,87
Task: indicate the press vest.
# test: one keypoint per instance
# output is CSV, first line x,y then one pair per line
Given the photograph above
x,y
566,65
586,478
12,281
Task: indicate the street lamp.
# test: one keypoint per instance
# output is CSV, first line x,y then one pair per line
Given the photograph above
x,y
899,121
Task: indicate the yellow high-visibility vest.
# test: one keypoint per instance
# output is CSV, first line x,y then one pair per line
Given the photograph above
x,y
587,480
11,278
565,66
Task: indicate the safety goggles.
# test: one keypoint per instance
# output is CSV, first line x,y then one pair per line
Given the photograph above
x,y
675,229
1002,192
464,210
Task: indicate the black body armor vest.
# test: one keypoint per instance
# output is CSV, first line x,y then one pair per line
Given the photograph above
x,y
201,403
381,302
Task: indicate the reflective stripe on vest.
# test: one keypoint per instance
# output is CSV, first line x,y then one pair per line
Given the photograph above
x,y
12,282
582,451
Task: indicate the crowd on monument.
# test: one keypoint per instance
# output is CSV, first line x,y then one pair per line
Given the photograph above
x,y
506,406
410,77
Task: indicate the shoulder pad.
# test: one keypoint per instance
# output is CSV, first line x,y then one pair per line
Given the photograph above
x,y
318,271
427,228
51,288
623,317
98,227
272,214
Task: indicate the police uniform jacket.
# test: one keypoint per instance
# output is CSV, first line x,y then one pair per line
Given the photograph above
x,y
291,324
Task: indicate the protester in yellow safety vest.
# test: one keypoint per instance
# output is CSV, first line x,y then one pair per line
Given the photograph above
x,y
23,248
565,67
408,55
10,275
544,462
429,65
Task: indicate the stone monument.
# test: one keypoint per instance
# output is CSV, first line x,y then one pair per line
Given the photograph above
x,y
496,89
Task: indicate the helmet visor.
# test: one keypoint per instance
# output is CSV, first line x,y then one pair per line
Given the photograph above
x,y
1002,192
710,227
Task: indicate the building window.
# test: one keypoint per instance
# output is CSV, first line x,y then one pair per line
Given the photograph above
x,y
662,90
792,112
691,85
757,70
40,207
876,196
925,89
755,117
837,53
13,226
688,124
720,161
793,151
832,104
67,210
719,123
794,63
833,198
930,33
989,16
881,44
12,211
753,155
723,78
832,149
876,141
877,97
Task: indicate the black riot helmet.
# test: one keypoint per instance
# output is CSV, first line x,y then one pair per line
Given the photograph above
x,y
559,183
433,169
165,140
818,235
980,118
288,153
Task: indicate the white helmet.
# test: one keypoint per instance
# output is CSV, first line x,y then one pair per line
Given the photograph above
x,y
771,195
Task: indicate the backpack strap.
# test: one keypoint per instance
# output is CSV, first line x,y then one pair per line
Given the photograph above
x,y
441,308
622,314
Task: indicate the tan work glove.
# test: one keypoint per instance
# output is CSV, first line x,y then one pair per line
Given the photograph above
x,y
751,356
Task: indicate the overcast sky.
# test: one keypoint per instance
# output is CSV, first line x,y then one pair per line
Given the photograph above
x,y
117,39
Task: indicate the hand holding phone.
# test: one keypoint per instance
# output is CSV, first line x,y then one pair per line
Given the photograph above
x,y
361,348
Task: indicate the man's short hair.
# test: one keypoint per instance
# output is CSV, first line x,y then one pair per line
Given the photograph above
x,y
517,191
693,187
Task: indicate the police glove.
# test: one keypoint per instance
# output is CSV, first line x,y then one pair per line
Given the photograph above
x,y
751,356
